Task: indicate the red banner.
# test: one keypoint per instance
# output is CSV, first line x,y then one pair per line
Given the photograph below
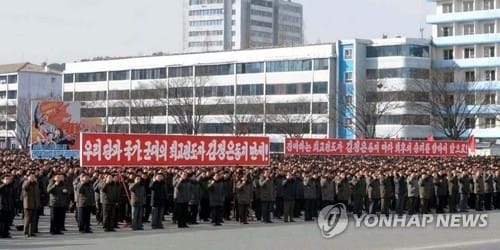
x,y
100,149
376,147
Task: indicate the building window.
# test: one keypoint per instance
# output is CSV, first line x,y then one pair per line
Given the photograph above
x,y
468,6
212,70
320,87
489,51
348,76
321,64
447,31
347,122
143,74
180,71
289,66
469,29
489,75
470,123
448,54
469,53
12,79
249,68
319,128
470,76
348,54
250,89
447,8
488,4
349,100
489,99
119,75
12,94
489,122
470,99
489,28
398,50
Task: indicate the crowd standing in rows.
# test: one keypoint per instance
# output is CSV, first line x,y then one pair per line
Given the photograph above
x,y
290,188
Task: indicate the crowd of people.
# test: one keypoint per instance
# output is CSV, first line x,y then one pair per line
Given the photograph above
x,y
290,188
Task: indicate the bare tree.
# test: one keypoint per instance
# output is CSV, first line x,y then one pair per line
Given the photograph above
x,y
147,101
290,119
23,123
118,113
249,112
367,108
453,105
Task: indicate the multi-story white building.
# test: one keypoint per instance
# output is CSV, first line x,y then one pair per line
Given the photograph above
x,y
466,38
19,85
214,25
279,92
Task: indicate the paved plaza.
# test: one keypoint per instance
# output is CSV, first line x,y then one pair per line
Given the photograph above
x,y
279,235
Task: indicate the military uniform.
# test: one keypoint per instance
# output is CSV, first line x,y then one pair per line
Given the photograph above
x,y
84,204
137,202
31,203
110,198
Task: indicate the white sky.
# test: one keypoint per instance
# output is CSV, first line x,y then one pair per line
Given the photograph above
x,y
70,30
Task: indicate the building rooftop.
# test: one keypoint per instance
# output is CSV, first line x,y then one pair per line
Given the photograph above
x,y
26,67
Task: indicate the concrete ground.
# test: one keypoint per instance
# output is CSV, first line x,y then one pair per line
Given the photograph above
x,y
232,235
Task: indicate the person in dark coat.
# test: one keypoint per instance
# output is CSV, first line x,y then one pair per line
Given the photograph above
x,y
97,198
194,199
497,189
267,196
425,190
228,198
464,190
478,190
386,193
7,205
58,193
342,188
158,201
453,195
84,203
216,199
327,185
412,189
31,202
110,198
137,201
441,191
204,197
358,187
309,197
289,194
373,190
488,190
244,193
400,191
146,181
182,195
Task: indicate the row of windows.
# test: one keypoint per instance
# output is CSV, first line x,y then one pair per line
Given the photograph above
x,y
468,29
488,122
209,70
268,35
468,6
206,22
288,18
207,12
398,50
205,44
288,66
11,110
290,28
8,79
412,73
200,2
397,96
291,8
264,3
11,94
218,109
207,33
405,120
261,13
261,24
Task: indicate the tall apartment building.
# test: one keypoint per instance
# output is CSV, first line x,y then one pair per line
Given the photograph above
x,y
215,25
19,85
466,38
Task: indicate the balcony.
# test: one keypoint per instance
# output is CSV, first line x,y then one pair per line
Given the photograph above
x,y
464,16
466,40
467,63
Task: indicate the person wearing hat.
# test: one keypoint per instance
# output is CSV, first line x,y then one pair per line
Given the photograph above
x,y
7,205
31,202
85,202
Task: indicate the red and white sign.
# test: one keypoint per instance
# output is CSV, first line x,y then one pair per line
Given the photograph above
x,y
376,147
100,149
